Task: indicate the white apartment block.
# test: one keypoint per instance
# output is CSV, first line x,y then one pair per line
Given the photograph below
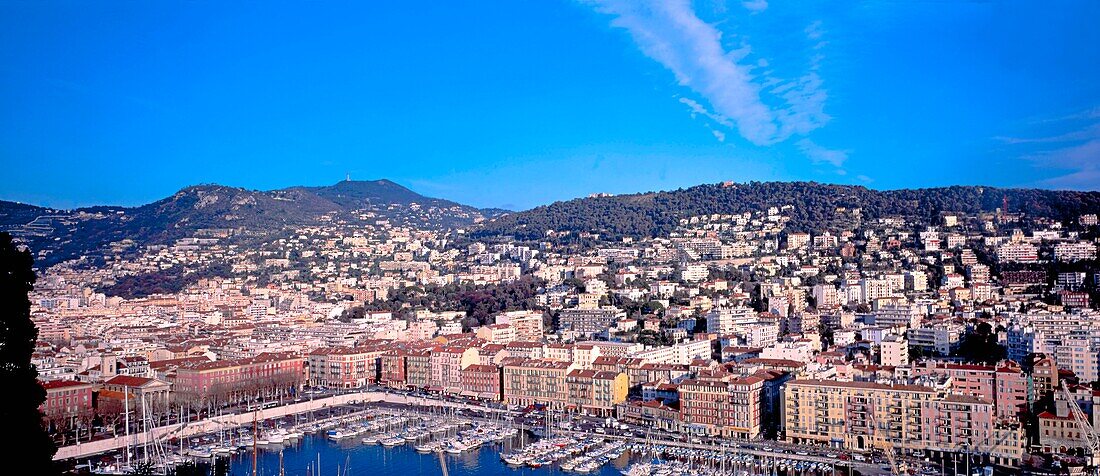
x,y
894,351
1017,253
1074,251
941,339
725,320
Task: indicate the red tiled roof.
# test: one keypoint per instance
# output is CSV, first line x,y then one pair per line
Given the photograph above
x,y
61,384
129,381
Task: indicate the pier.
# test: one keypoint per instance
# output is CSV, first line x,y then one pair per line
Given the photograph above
x,y
213,424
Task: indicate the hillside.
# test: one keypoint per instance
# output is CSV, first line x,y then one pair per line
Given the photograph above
x,y
13,214
59,235
361,194
814,207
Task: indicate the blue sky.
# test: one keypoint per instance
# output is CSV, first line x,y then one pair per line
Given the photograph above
x,y
516,104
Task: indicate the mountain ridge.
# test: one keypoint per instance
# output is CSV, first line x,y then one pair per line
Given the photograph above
x,y
67,234
649,214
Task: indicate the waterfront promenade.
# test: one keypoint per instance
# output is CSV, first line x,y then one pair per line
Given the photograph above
x,y
213,424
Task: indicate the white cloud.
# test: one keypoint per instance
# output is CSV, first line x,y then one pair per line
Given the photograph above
x,y
755,6
699,109
721,136
820,154
1074,150
1084,161
1088,132
813,31
1091,113
672,34
806,106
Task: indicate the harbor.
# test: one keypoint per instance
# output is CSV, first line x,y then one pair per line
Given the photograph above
x,y
362,438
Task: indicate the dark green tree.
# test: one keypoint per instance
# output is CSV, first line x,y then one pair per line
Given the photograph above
x,y
980,345
24,438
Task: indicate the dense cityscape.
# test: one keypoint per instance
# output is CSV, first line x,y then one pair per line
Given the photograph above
x,y
902,340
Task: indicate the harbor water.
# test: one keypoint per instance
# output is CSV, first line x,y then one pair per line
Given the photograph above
x,y
352,458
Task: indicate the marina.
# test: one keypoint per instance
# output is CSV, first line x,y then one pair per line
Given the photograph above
x,y
431,441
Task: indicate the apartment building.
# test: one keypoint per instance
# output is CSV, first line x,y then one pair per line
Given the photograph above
x,y
343,367
863,415
1071,280
1017,253
965,379
1011,391
232,380
894,351
418,368
596,391
445,365
694,273
589,322
797,241
497,333
898,315
66,399
825,296
392,368
531,382
936,339
481,381
726,320
1074,251
978,273
872,289
727,408
681,353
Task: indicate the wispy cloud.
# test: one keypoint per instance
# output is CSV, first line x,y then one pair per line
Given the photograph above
x,y
1082,159
1075,149
699,109
1086,133
672,34
755,6
1085,114
813,31
819,154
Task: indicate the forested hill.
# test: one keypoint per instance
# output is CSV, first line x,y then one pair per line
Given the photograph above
x,y
60,235
814,207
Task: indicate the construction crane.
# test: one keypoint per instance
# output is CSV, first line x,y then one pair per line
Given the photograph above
x,y
888,446
889,450
989,445
1092,439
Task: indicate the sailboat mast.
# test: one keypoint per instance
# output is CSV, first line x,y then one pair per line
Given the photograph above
x,y
256,436
126,413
